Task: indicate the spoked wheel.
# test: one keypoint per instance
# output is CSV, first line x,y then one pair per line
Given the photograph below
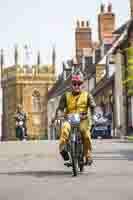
x,y
81,165
74,159
80,158
81,161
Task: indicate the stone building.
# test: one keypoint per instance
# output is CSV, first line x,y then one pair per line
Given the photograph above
x,y
28,86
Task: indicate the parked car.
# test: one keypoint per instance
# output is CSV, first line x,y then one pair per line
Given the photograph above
x,y
101,127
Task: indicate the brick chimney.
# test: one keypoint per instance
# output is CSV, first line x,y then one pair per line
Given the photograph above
x,y
106,24
83,38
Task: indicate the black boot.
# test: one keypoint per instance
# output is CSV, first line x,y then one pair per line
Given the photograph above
x,y
88,161
64,155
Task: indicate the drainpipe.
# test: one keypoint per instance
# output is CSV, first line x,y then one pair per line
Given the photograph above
x,y
113,94
107,66
119,100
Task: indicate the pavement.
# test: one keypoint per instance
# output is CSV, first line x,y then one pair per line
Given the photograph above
x,y
34,170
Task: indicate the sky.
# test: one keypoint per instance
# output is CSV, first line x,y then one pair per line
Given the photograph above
x,y
40,24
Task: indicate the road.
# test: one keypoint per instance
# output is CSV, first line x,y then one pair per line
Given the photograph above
x,y
34,170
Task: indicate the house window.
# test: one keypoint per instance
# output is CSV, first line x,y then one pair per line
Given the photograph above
x,y
88,60
36,101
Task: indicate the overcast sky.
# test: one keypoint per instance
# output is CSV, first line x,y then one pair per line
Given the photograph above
x,y
43,23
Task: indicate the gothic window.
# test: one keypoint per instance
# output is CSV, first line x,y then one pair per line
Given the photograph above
x,y
36,101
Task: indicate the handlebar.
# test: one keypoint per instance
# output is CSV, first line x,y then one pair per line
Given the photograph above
x,y
62,117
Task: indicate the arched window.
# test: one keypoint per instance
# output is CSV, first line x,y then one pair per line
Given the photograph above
x,y
36,101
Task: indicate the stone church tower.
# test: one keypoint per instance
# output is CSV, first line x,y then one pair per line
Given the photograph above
x,y
27,86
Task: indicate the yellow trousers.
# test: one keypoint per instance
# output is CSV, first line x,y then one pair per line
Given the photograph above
x,y
85,127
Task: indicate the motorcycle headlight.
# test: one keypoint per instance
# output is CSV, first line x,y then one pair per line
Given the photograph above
x,y
74,118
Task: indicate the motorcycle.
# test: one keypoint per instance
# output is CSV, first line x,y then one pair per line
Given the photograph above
x,y
20,129
75,144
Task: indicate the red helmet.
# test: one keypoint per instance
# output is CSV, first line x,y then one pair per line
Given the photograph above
x,y
77,77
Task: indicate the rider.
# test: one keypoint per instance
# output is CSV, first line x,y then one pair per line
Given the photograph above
x,y
77,101
20,115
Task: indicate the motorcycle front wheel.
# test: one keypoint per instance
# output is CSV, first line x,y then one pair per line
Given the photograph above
x,y
74,159
80,157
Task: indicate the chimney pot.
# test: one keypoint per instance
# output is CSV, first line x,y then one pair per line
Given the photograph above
x,y
87,23
102,8
131,7
110,8
82,23
78,24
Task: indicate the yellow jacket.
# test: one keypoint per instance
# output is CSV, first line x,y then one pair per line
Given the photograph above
x,y
76,103
82,102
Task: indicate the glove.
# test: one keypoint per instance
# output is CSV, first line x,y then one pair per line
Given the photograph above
x,y
83,116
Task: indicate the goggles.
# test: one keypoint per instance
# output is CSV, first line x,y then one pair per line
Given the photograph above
x,y
77,84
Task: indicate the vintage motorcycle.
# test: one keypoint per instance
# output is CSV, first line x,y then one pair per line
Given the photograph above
x,y
75,144
20,128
